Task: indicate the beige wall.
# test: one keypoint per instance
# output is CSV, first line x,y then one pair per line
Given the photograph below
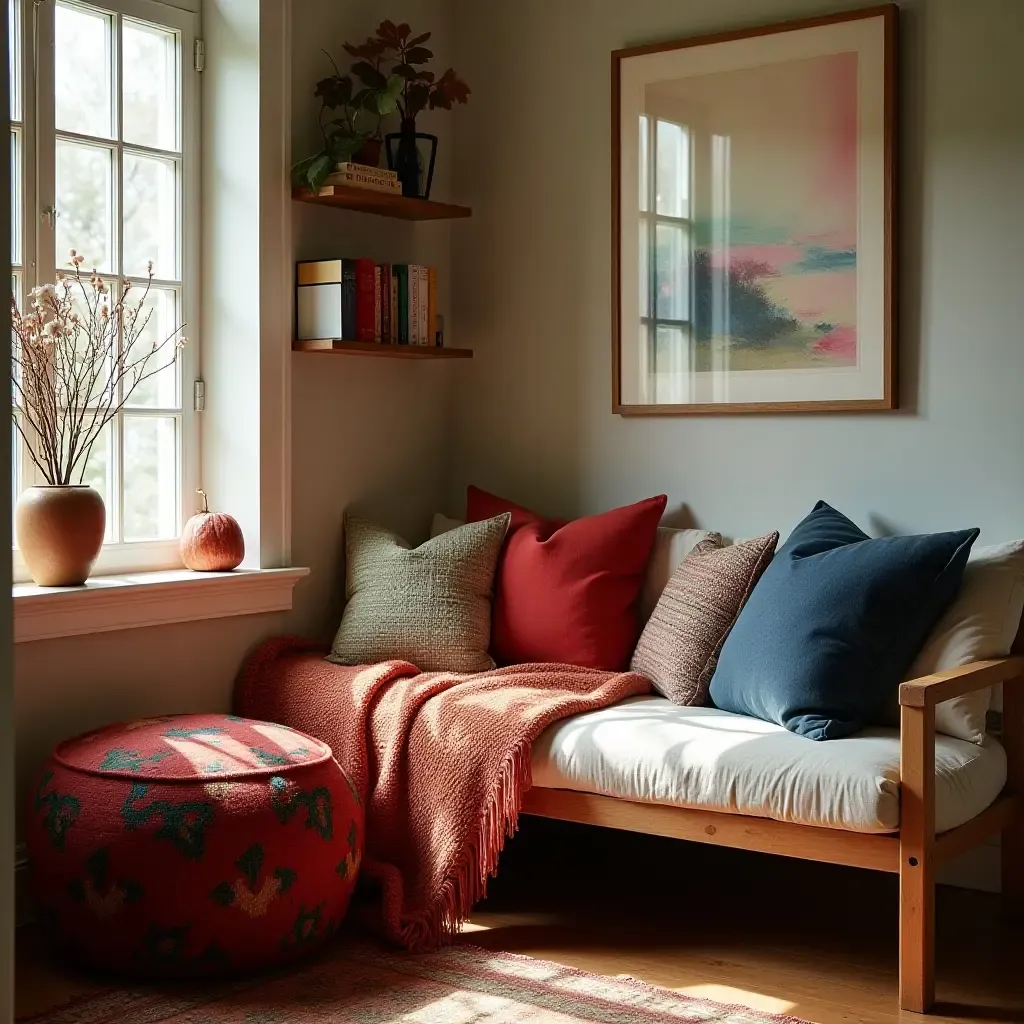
x,y
371,432
533,266
366,432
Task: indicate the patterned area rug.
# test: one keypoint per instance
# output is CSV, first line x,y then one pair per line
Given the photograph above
x,y
359,983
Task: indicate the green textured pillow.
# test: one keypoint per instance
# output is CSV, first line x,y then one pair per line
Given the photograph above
x,y
429,605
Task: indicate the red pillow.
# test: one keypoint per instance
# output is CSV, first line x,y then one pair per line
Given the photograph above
x,y
568,592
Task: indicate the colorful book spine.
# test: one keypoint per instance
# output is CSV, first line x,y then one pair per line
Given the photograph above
x,y
384,280
432,306
348,300
394,307
364,300
424,331
402,272
376,304
414,306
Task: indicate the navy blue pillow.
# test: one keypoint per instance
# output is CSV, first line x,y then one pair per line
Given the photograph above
x,y
831,628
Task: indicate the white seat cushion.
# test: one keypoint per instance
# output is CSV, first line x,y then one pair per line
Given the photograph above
x,y
650,750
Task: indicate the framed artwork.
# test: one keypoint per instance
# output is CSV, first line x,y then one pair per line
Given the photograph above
x,y
753,220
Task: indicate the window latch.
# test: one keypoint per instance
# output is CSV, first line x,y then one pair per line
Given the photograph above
x,y
199,55
199,396
50,215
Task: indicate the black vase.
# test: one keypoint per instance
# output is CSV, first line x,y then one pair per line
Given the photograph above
x,y
409,153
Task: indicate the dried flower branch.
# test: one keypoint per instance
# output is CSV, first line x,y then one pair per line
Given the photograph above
x,y
76,363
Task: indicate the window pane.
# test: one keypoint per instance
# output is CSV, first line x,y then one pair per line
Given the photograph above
x,y
150,215
161,390
13,58
82,62
673,170
99,473
673,265
150,97
85,204
16,202
150,478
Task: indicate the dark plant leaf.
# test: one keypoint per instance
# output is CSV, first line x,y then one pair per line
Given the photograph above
x,y
369,75
405,70
454,89
418,40
335,91
416,98
318,169
418,55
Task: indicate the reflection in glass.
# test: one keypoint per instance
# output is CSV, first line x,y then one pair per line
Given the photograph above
x,y
643,172
672,260
82,78
673,198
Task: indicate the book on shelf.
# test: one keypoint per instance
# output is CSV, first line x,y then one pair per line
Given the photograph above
x,y
359,176
359,300
402,275
348,167
364,329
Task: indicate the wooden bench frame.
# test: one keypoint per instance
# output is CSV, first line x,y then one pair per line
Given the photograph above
x,y
915,852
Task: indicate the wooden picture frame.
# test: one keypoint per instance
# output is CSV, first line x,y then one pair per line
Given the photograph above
x,y
761,265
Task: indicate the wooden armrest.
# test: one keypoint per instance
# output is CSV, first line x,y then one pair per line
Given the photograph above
x,y
928,691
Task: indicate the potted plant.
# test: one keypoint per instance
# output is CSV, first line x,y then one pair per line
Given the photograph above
x,y
354,133
78,355
394,52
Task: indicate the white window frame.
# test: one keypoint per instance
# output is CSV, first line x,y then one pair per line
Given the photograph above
x,y
40,262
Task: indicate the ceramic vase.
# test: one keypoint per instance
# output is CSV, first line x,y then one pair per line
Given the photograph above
x,y
60,531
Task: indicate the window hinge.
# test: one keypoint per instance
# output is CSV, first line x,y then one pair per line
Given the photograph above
x,y
199,396
199,55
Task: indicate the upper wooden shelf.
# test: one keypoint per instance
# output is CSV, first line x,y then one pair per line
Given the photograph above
x,y
375,348
384,204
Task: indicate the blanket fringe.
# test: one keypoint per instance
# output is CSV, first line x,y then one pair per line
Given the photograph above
x,y
466,883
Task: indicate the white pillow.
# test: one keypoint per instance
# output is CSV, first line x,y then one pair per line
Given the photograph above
x,y
442,524
670,548
981,623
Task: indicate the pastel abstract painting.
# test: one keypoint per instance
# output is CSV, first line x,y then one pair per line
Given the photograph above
x,y
755,250
774,274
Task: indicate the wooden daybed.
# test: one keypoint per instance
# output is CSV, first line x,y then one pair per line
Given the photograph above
x,y
915,851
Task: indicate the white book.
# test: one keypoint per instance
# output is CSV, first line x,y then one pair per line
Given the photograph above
x,y
318,308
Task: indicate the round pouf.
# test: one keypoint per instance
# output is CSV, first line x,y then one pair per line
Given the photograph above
x,y
192,844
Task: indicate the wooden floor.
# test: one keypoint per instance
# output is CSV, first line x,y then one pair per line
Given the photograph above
x,y
805,940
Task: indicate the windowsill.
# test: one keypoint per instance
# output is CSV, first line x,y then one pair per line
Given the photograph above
x,y
130,601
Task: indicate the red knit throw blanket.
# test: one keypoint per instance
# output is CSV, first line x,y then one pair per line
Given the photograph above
x,y
441,761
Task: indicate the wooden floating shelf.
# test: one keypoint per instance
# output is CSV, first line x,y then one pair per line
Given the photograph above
x,y
384,204
373,348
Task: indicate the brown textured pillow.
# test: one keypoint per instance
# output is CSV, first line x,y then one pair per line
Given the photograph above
x,y
680,644
430,605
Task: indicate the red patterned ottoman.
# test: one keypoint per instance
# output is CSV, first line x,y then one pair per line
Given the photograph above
x,y
192,845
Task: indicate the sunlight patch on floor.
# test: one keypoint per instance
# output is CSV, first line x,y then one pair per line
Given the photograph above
x,y
469,926
728,994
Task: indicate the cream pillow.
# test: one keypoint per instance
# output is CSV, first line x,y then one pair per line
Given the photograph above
x,y
429,605
981,623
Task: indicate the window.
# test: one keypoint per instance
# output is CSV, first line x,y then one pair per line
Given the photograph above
x,y
666,269
103,131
